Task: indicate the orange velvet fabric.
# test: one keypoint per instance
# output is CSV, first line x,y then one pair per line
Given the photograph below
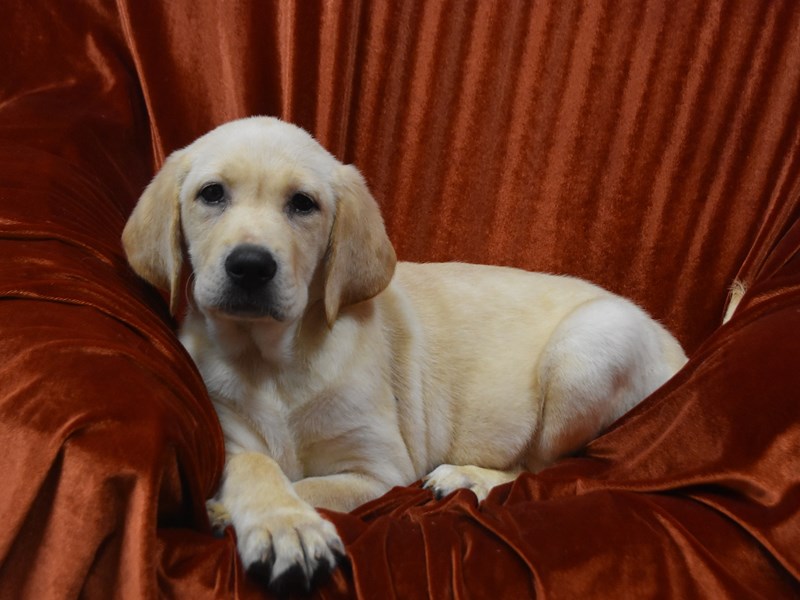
x,y
652,148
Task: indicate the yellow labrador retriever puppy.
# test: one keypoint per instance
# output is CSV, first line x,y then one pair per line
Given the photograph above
x,y
338,373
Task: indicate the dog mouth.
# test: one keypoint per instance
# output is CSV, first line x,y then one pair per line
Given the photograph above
x,y
242,307
236,303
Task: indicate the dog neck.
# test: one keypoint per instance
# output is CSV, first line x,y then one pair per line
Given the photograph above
x,y
274,341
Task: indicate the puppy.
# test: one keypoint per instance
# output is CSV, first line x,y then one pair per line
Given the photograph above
x,y
338,373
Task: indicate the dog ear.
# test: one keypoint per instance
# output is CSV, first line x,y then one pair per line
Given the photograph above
x,y
152,235
360,260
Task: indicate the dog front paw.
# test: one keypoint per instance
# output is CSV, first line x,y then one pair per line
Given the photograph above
x,y
289,549
218,517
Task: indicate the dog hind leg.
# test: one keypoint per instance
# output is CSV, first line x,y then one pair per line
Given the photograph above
x,y
604,358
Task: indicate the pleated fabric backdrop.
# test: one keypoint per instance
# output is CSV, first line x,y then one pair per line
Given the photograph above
x,y
652,147
649,146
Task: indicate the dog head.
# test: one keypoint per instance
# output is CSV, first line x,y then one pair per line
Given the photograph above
x,y
270,221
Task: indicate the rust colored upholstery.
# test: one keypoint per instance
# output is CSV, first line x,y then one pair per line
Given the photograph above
x,y
651,147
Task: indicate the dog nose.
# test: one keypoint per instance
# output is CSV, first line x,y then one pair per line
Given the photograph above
x,y
250,266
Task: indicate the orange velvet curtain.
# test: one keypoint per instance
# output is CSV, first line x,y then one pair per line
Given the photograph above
x,y
652,147
649,146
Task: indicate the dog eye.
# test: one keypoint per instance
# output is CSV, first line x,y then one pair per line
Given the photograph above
x,y
302,204
212,194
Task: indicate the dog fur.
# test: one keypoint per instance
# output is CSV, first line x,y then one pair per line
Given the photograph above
x,y
343,373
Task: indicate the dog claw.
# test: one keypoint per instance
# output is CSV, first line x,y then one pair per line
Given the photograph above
x,y
296,579
292,580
